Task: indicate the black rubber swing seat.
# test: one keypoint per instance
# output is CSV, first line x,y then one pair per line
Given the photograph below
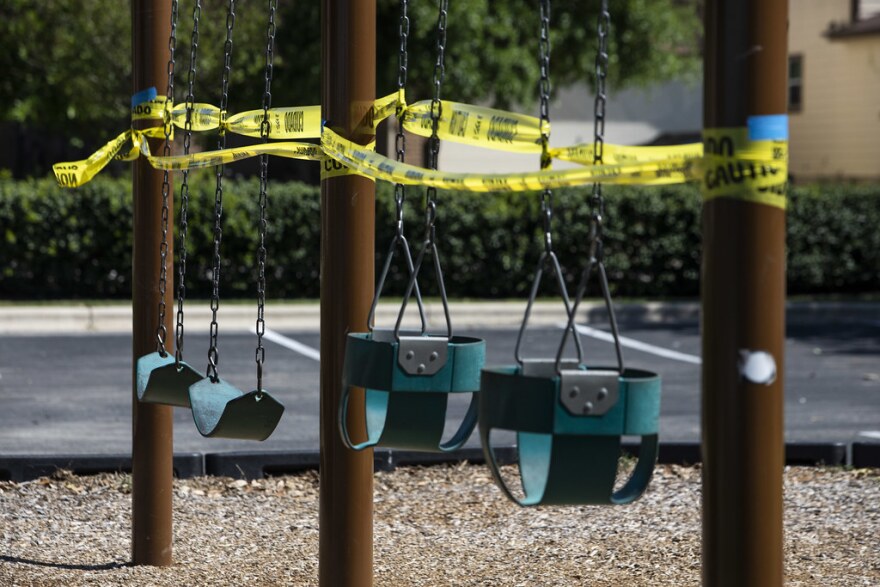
x,y
407,384
161,381
221,410
569,431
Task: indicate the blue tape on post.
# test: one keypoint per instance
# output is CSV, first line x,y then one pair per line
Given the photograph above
x,y
771,127
144,96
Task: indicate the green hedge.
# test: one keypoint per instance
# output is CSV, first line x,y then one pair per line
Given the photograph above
x,y
62,244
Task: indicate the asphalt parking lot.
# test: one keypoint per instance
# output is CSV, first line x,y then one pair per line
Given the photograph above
x,y
71,394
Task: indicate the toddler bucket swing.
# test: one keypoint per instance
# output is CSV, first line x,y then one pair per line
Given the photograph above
x,y
409,376
568,416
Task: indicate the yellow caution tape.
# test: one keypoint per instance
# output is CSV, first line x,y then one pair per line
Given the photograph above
x,y
369,163
331,168
150,110
735,167
385,107
620,154
204,117
290,150
284,123
301,122
475,125
76,173
732,167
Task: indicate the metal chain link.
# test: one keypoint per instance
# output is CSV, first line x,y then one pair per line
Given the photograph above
x,y
161,329
548,260
436,111
544,92
399,240
213,353
597,202
184,186
400,140
429,246
260,354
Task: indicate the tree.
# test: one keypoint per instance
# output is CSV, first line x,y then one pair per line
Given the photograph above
x,y
492,48
67,63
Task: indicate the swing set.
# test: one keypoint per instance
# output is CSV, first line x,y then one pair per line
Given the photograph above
x,y
568,414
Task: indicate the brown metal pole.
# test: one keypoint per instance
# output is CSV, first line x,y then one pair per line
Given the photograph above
x,y
152,425
348,72
743,297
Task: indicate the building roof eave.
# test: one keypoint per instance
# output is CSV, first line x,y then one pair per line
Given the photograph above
x,y
861,28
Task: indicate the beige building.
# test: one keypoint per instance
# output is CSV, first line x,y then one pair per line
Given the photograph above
x,y
834,89
834,95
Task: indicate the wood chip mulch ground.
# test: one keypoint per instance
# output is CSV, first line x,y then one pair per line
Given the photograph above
x,y
444,525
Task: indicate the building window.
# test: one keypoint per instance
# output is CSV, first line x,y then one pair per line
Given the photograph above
x,y
795,82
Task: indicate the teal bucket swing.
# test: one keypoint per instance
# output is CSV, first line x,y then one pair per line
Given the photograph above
x,y
409,377
569,417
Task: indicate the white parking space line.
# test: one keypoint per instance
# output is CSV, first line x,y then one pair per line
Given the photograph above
x,y
870,433
638,345
315,355
289,343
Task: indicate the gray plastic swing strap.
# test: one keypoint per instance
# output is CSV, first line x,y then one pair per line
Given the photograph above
x,y
222,410
405,410
161,381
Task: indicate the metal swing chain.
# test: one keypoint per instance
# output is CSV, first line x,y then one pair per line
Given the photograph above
x,y
399,239
213,354
597,202
184,186
544,91
548,257
434,141
161,329
433,160
265,127
431,193
400,139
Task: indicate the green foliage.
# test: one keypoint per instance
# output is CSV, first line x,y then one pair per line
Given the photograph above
x,y
62,244
492,48
67,63
77,244
833,241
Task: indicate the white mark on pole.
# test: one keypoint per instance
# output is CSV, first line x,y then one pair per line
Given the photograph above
x,y
757,367
289,343
870,434
638,345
